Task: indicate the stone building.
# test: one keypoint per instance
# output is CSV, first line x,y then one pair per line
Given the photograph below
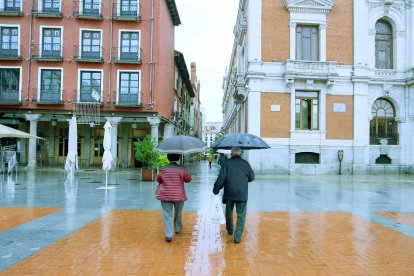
x,y
322,80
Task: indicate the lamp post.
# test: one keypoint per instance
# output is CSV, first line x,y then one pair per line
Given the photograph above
x,y
340,158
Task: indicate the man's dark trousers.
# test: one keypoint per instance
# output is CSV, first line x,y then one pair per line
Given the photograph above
x,y
241,207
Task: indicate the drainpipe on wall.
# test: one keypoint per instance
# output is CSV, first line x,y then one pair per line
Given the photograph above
x,y
110,53
29,66
150,103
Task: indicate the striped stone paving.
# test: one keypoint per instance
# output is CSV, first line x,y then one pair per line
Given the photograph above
x,y
13,216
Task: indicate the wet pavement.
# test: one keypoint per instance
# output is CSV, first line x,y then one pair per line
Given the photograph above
x,y
296,225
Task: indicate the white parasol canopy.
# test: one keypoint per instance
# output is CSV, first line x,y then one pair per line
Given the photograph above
x,y
72,158
6,131
107,156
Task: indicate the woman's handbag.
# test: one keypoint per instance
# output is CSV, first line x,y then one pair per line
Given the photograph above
x,y
156,190
216,211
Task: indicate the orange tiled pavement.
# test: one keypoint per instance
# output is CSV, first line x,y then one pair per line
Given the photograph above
x,y
13,216
407,218
277,243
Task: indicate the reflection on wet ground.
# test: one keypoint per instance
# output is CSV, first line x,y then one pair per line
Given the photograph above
x,y
296,225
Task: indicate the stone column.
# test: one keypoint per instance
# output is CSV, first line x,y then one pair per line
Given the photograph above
x,y
23,145
125,140
114,140
168,131
86,158
51,143
154,122
33,118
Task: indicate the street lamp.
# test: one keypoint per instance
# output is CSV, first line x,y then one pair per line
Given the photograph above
x,y
340,158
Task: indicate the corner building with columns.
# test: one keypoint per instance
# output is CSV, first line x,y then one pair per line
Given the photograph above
x,y
98,60
327,84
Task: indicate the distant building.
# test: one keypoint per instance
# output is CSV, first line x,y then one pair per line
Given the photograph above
x,y
196,120
210,131
320,78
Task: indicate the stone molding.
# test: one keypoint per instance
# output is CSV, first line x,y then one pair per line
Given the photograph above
x,y
310,6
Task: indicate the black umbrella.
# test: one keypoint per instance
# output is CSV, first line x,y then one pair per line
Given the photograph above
x,y
241,140
181,144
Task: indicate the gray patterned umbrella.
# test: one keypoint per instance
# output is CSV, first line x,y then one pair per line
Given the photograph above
x,y
241,140
181,144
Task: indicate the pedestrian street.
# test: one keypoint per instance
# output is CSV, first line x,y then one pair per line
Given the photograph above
x,y
51,224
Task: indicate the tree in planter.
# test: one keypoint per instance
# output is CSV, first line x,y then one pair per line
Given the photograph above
x,y
145,152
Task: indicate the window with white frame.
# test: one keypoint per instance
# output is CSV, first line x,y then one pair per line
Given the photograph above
x,y
90,86
129,45
307,110
307,42
9,41
91,44
50,85
383,124
9,84
129,83
51,42
12,5
91,7
383,45
128,8
50,5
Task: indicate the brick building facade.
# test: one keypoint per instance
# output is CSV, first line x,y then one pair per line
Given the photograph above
x,y
318,79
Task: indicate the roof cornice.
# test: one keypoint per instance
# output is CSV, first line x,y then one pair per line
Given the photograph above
x,y
315,6
172,8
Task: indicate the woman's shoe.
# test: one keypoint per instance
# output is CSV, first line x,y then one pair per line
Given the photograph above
x,y
178,232
168,239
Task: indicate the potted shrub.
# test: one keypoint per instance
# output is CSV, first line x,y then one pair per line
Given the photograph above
x,y
146,154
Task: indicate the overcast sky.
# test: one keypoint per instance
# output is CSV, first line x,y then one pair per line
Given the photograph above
x,y
205,36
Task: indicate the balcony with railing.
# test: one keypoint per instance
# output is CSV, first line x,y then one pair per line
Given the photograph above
x,y
88,53
11,8
392,139
89,96
10,51
47,95
88,9
126,10
10,97
127,55
127,99
47,52
47,8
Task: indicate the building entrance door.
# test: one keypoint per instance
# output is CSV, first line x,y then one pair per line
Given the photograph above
x,y
97,150
61,143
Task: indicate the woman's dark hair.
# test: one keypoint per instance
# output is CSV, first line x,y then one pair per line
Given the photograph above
x,y
173,157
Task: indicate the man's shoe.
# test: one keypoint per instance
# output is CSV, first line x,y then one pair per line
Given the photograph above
x,y
178,232
230,232
236,241
168,239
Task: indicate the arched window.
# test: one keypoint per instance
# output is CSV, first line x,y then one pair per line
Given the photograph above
x,y
383,124
383,45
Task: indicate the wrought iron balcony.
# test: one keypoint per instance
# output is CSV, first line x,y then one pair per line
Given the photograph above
x,y
10,51
89,9
47,52
88,53
127,100
47,95
89,96
15,10
47,8
126,11
127,55
11,97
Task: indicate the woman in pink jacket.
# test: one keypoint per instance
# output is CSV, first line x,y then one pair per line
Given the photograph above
x,y
171,192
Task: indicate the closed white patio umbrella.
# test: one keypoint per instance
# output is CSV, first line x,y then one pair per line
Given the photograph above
x,y
6,131
72,158
107,156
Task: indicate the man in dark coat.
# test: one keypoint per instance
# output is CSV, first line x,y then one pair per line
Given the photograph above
x,y
234,178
